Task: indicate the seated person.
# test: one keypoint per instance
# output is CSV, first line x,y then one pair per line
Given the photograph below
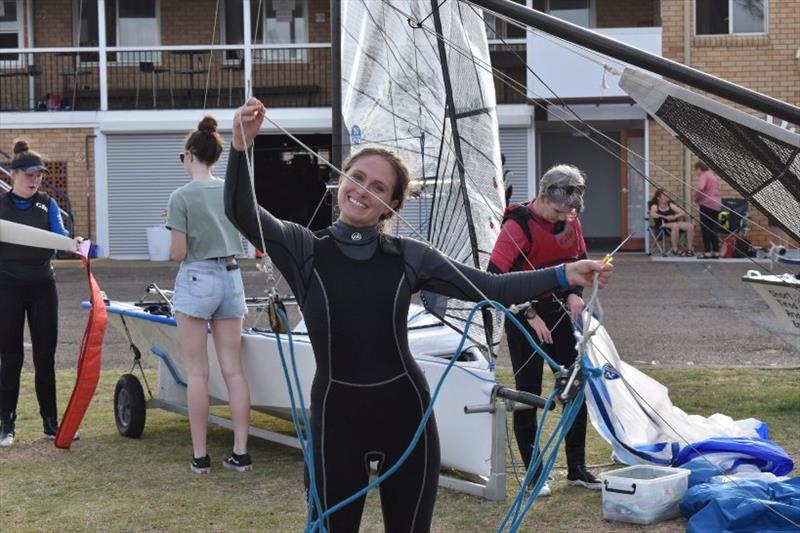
x,y
664,212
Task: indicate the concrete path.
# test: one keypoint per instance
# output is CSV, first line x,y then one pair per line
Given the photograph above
x,y
682,312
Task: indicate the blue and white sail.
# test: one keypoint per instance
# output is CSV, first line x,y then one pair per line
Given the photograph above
x,y
634,413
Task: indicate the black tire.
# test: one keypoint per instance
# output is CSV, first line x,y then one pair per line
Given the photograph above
x,y
130,410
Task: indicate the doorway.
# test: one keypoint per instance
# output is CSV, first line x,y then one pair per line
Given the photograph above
x,y
291,182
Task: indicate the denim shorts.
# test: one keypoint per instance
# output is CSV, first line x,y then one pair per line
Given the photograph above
x,y
209,290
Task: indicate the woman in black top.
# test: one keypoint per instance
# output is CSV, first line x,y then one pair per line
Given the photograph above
x,y
354,286
664,212
28,286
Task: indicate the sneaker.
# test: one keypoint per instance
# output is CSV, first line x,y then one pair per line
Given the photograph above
x,y
201,465
578,476
50,429
6,434
545,490
240,463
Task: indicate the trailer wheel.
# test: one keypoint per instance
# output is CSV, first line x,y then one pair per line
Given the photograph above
x,y
129,406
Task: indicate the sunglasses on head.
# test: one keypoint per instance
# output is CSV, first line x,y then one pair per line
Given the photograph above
x,y
568,189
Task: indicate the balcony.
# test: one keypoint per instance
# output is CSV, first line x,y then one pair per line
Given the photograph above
x,y
166,77
573,72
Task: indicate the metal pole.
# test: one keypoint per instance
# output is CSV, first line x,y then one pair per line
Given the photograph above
x,y
337,150
640,58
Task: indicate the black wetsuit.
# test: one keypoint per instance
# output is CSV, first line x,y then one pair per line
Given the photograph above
x,y
28,286
368,395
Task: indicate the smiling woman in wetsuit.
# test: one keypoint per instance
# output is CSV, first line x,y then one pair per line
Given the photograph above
x,y
354,286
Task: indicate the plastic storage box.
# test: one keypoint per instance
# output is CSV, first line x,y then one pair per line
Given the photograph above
x,y
643,494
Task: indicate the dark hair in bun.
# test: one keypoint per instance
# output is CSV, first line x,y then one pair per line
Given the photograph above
x,y
204,142
22,149
21,146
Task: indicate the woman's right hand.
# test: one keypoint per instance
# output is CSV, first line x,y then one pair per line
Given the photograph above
x,y
247,122
540,328
581,273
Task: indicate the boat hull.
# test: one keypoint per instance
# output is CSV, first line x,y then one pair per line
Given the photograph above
x,y
465,439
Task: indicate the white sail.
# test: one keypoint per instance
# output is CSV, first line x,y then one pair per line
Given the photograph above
x,y
397,81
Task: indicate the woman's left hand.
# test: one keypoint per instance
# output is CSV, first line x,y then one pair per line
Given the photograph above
x,y
581,273
575,306
78,240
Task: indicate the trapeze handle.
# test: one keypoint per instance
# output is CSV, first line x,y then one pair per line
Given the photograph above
x,y
519,396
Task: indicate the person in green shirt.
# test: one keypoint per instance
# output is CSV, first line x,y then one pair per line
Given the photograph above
x,y
208,291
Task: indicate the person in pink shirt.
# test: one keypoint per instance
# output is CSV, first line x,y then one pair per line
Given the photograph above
x,y
708,198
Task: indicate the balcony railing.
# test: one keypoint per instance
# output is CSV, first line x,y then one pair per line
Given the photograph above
x,y
184,77
176,77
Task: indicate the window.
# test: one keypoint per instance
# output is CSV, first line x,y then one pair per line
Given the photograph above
x,y
726,17
128,23
575,11
278,22
498,28
10,35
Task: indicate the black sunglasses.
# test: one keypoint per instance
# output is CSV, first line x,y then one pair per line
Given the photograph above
x,y
182,156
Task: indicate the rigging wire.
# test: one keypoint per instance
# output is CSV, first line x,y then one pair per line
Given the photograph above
x,y
576,49
521,89
210,56
700,454
250,170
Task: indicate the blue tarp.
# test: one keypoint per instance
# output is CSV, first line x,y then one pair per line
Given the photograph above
x,y
744,506
760,452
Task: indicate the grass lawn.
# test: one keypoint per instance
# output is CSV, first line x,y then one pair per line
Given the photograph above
x,y
110,483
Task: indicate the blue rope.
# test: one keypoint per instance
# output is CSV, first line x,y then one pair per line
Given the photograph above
x,y
304,437
306,446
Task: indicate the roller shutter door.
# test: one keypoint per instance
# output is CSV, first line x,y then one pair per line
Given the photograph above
x,y
143,169
514,144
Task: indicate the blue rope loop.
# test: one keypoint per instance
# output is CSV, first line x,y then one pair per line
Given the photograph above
x,y
521,505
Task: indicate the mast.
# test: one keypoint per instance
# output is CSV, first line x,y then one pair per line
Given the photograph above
x,y
650,62
337,148
453,118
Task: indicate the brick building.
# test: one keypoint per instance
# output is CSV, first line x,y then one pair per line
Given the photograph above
x,y
108,99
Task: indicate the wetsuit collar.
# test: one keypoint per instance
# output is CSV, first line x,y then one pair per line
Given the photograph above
x,y
347,234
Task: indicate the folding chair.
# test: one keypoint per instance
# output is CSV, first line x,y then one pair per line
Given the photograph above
x,y
660,235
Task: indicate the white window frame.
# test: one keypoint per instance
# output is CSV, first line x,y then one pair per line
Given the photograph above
x,y
156,56
263,50
6,27
730,23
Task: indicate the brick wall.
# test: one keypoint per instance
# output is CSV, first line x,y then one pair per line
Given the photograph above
x,y
765,63
616,14
67,145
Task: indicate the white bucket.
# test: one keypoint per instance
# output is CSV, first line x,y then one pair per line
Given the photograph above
x,y
158,240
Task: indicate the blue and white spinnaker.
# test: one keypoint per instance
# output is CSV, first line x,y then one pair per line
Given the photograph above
x,y
634,413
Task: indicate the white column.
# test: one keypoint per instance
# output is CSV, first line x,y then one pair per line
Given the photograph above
x,y
29,58
248,50
103,66
101,193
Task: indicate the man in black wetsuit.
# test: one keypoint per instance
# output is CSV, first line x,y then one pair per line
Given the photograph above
x,y
354,286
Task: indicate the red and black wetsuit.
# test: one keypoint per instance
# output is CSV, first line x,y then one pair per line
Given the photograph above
x,y
550,243
354,286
